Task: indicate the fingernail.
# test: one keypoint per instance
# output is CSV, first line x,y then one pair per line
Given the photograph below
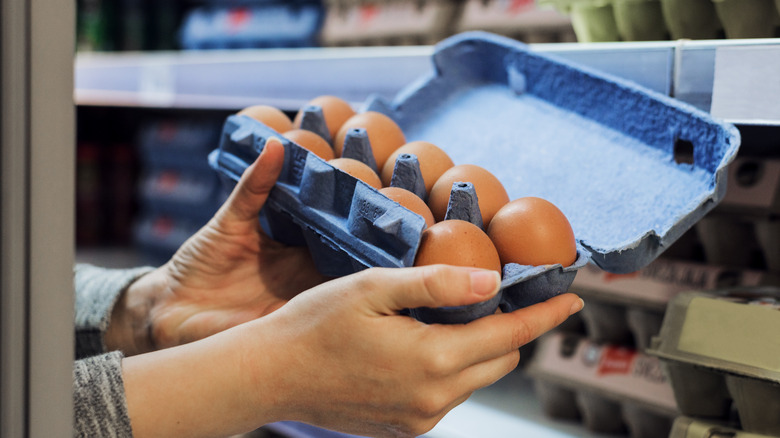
x,y
577,306
485,282
271,140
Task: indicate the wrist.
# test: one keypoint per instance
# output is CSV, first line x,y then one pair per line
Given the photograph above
x,y
129,329
202,388
262,373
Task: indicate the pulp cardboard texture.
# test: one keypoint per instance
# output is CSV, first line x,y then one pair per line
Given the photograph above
x,y
190,195
687,427
378,22
719,348
638,20
180,145
526,20
612,389
160,235
741,240
601,149
754,187
274,24
347,225
628,309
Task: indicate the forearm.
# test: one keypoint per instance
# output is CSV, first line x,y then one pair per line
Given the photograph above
x,y
201,389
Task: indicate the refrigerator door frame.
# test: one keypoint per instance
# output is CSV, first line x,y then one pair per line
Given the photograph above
x,y
37,185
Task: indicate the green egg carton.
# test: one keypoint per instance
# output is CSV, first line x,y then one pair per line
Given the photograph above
x,y
722,349
593,20
691,19
655,20
640,20
687,427
747,18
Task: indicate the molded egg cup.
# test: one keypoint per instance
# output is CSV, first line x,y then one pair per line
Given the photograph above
x,y
719,349
631,169
346,224
521,285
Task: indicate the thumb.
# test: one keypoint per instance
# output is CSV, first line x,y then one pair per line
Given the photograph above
x,y
431,286
252,190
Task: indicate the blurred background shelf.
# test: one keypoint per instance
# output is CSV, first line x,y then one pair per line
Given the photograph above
x,y
287,78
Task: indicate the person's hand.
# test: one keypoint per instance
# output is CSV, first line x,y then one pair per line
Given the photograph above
x,y
361,367
228,273
340,356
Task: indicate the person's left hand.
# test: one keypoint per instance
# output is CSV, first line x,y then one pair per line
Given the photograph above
x,y
228,273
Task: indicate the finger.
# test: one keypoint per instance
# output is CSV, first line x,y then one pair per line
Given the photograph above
x,y
428,286
433,421
496,335
255,184
486,373
476,377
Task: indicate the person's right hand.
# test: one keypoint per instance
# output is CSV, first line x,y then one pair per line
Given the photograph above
x,y
345,359
341,356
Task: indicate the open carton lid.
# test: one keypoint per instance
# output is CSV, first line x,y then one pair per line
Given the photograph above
x,y
728,331
631,169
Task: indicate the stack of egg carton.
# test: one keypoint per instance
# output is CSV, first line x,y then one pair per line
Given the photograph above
x,y
735,245
744,230
728,382
178,190
252,24
525,20
720,352
596,370
388,22
648,20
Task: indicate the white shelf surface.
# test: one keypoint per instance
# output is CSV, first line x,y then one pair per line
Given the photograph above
x,y
110,257
288,78
507,408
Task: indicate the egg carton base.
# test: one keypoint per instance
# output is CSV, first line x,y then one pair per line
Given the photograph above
x,y
730,362
575,378
646,20
688,427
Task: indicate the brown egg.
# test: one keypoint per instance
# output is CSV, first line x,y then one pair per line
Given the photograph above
x,y
410,201
491,194
459,243
433,162
312,142
533,231
359,170
270,116
383,133
336,111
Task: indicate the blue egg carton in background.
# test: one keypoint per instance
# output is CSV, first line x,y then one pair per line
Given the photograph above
x,y
270,24
630,168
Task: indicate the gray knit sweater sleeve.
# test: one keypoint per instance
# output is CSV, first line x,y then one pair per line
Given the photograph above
x,y
97,289
100,408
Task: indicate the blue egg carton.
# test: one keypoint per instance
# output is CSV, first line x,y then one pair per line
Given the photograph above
x,y
178,144
631,169
264,25
347,225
